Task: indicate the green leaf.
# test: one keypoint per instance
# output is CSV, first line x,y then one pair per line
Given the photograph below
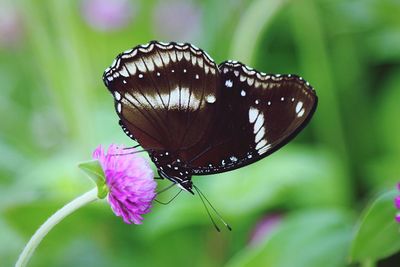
x,y
95,172
377,234
310,238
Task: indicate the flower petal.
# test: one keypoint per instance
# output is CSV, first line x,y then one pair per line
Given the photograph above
x,y
130,181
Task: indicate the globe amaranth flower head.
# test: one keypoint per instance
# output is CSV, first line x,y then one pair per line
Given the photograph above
x,y
130,182
397,204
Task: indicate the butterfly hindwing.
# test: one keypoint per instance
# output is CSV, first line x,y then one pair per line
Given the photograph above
x,y
258,114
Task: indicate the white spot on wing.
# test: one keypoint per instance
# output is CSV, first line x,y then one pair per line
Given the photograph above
x,y
259,122
299,106
206,68
124,72
210,99
200,62
253,112
149,63
194,60
164,58
114,63
179,55
250,81
260,134
184,93
140,66
260,144
186,54
243,93
228,83
157,61
131,67
264,149
173,57
117,96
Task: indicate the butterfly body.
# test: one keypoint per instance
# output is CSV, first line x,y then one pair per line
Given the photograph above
x,y
197,118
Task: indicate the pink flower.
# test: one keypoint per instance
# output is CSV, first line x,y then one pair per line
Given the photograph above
x,y
11,26
397,204
130,182
107,15
264,228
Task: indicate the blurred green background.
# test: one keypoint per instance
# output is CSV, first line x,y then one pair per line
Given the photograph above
x,y
298,207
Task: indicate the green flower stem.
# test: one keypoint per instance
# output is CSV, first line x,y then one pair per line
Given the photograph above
x,y
72,206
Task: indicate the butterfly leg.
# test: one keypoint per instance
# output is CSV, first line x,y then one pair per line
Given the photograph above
x,y
160,176
169,201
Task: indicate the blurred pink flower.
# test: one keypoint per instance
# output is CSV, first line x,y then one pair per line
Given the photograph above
x,y
107,15
177,20
264,227
397,204
11,26
130,182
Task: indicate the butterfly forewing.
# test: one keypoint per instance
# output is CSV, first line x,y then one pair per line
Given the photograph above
x,y
257,114
162,94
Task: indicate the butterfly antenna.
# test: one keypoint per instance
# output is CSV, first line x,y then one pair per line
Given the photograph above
x,y
132,147
208,212
169,201
131,153
216,212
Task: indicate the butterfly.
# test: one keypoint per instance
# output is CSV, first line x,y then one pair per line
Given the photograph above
x,y
198,118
